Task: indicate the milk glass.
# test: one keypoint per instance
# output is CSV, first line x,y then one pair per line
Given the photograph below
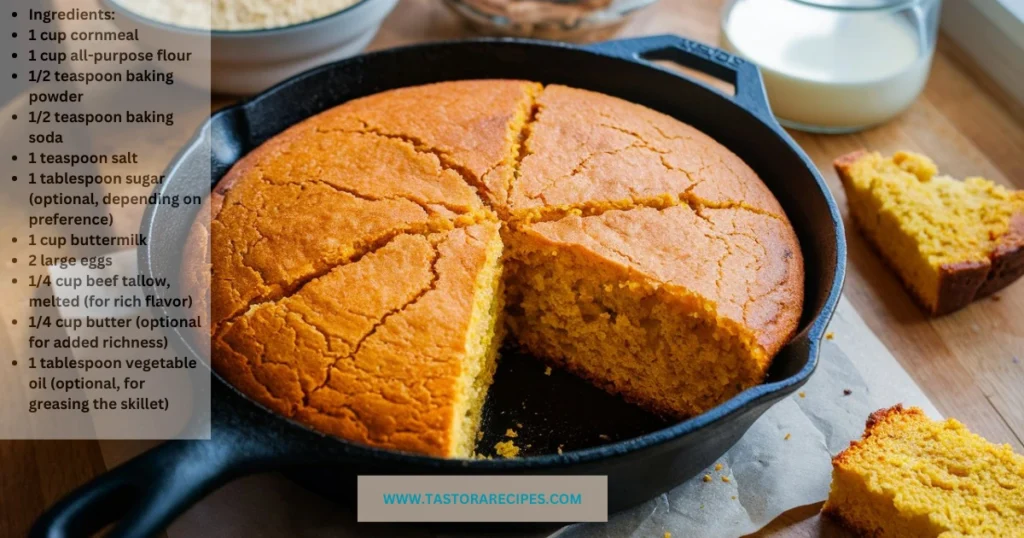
x,y
835,66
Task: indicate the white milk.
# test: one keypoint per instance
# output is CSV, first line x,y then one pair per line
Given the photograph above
x,y
828,69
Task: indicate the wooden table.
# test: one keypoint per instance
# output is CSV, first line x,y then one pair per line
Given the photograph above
x,y
971,363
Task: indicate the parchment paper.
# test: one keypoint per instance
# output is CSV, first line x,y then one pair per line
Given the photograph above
x,y
767,472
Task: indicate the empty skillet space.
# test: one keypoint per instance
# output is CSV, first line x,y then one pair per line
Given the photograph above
x,y
551,410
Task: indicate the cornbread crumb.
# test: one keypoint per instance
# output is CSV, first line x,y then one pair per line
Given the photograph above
x,y
668,534
707,478
830,335
725,479
734,497
718,466
786,438
547,371
949,241
909,476
560,448
511,433
506,449
802,394
604,437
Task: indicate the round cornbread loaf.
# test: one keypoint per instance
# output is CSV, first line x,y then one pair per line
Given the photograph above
x,y
357,263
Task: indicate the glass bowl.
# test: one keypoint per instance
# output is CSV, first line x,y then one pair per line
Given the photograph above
x,y
562,20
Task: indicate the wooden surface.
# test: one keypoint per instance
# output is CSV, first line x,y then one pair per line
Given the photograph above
x,y
971,363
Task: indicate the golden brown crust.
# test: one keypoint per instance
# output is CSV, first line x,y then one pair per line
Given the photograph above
x,y
609,150
961,283
471,125
875,420
958,285
1007,259
836,516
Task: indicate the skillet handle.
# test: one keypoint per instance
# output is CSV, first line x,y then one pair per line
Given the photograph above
x,y
727,67
144,495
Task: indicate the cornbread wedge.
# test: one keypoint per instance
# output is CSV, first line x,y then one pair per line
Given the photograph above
x,y
615,154
950,241
675,309
911,477
326,356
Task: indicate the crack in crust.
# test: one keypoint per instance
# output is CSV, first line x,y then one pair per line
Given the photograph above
x,y
431,286
444,159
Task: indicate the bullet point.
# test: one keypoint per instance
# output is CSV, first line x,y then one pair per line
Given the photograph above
x,y
14,178
14,116
14,363
14,240
15,34
15,55
14,157
15,14
14,322
14,281
15,75
14,260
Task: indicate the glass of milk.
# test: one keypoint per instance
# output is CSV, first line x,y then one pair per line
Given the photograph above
x,y
835,66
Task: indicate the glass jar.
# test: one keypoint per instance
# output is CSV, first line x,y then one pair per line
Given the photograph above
x,y
835,66
563,20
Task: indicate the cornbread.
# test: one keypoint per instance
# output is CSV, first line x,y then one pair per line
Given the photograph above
x,y
359,263
950,241
916,478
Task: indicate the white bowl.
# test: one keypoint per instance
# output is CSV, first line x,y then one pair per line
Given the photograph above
x,y
245,62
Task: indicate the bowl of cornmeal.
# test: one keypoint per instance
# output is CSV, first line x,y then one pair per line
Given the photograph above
x,y
242,47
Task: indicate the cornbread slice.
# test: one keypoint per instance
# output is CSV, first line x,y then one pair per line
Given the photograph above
x,y
916,478
950,241
472,126
396,349
676,310
615,154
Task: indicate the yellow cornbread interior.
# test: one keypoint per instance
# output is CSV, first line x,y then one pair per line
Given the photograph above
x,y
486,330
663,349
913,477
922,221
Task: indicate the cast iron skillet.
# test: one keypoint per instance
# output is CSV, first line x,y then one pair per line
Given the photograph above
x,y
600,435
